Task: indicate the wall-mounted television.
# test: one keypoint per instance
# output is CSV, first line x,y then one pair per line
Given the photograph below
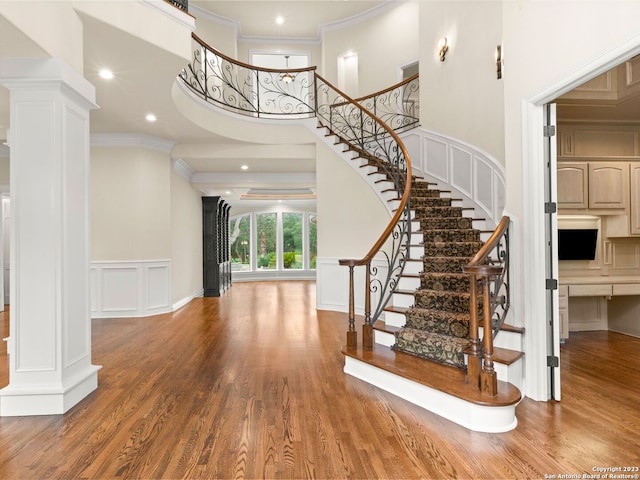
x,y
577,244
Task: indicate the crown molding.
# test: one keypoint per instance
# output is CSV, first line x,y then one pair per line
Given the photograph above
x,y
183,18
279,40
120,140
361,17
182,168
205,14
249,178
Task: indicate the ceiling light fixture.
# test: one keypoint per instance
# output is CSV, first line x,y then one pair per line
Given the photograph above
x,y
244,167
279,19
286,77
150,117
106,74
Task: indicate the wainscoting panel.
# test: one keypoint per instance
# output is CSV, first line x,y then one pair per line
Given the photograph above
x,y
332,285
470,173
130,288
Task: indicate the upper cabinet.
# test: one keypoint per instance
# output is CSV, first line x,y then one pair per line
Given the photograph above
x,y
593,187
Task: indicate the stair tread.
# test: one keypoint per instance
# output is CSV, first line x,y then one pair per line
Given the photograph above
x,y
445,378
383,327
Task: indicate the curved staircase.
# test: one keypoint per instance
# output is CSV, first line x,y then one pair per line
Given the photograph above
x,y
428,318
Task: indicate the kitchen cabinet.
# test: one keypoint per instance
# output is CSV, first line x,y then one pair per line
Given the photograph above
x,y
594,187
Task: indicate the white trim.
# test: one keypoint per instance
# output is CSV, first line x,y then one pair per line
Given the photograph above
x,y
373,12
182,168
479,418
474,187
266,275
250,178
121,140
533,178
182,302
257,39
205,14
136,288
174,13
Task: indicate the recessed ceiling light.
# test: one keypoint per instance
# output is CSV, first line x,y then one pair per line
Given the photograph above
x,y
150,117
244,167
279,19
227,192
106,74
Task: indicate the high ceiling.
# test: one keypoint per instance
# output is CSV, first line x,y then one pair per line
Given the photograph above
x,y
143,79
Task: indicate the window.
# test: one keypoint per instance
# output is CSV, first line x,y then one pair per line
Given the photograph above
x,y
240,240
292,240
313,241
273,241
266,241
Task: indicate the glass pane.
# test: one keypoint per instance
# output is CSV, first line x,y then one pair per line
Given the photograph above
x,y
292,240
266,241
313,242
240,243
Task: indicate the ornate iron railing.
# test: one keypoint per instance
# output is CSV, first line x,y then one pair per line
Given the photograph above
x,y
397,106
302,93
489,272
249,90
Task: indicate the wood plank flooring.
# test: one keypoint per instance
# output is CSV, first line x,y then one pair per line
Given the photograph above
x,y
250,385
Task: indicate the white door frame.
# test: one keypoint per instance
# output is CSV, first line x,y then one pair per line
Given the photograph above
x,y
533,221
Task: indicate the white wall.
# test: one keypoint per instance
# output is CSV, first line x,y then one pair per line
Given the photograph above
x,y
186,239
216,33
574,34
461,97
130,204
383,43
53,26
350,216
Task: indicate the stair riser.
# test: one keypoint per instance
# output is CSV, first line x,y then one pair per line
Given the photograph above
x,y
413,267
394,319
446,223
506,339
511,373
452,283
442,249
408,283
448,265
416,252
384,338
450,236
402,300
453,304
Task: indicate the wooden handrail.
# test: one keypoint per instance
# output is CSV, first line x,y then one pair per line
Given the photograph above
x,y
382,92
247,65
491,243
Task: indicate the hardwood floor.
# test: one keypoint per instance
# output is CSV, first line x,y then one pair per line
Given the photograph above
x,y
250,385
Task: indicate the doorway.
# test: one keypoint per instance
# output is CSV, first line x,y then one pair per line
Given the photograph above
x,y
534,217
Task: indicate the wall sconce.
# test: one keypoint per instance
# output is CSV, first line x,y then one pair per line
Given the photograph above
x,y
443,48
499,61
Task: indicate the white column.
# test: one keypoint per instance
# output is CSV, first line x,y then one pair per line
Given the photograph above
x,y
50,366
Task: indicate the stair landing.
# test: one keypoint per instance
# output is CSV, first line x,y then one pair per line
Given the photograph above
x,y
438,388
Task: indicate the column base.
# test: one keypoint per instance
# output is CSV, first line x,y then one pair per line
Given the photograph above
x,y
28,400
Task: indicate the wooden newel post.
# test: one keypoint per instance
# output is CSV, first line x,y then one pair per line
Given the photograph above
x,y
474,362
352,335
488,379
367,328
